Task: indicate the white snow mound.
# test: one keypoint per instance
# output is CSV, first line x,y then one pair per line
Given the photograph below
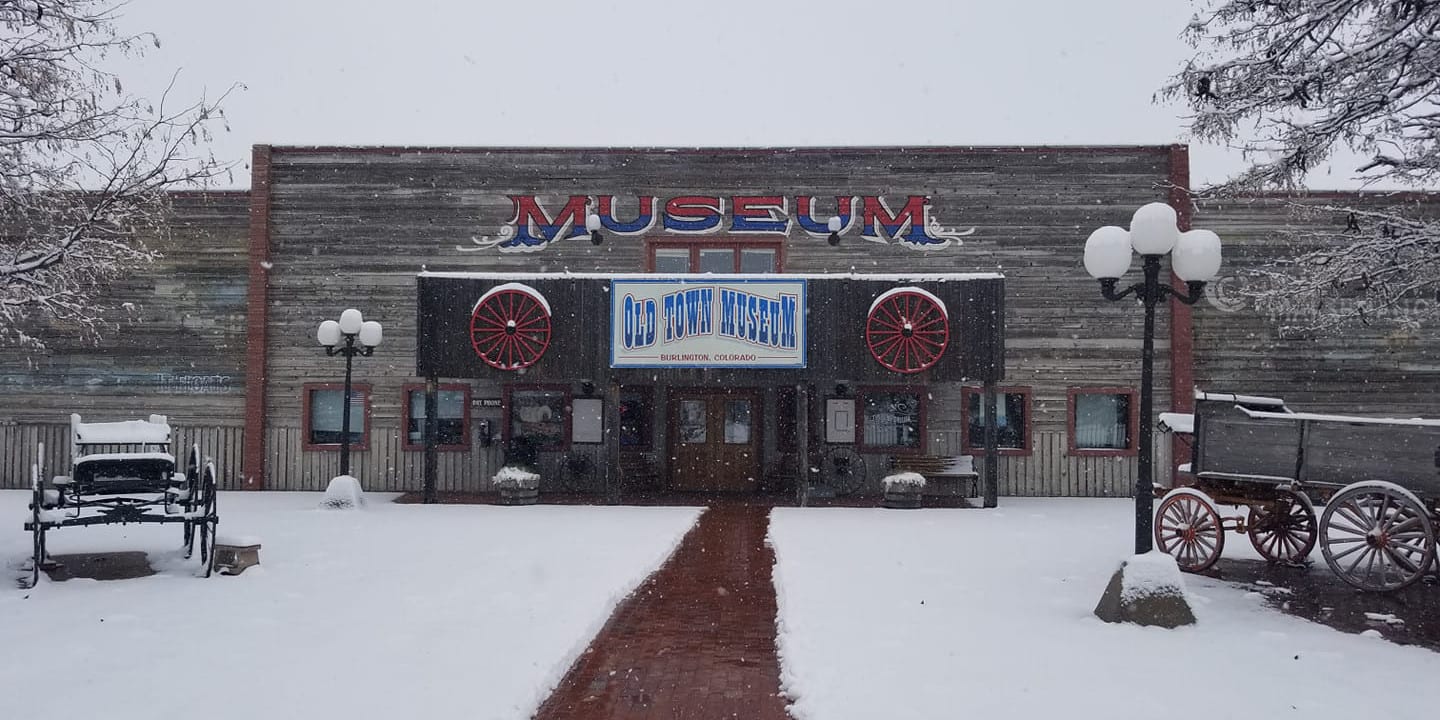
x,y
1154,573
904,479
343,493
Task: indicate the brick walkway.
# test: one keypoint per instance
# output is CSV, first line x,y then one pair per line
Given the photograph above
x,y
695,641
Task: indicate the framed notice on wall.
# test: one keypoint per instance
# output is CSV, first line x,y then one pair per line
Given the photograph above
x,y
587,421
840,420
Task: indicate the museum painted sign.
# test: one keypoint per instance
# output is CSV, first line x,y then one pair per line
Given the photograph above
x,y
535,223
710,322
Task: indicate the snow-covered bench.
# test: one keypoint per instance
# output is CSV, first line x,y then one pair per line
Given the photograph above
x,y
944,474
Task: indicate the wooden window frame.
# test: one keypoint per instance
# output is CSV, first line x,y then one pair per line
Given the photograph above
x,y
921,392
696,244
1027,434
306,390
505,418
649,392
405,443
1134,426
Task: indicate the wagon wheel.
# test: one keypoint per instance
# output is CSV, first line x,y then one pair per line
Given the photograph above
x,y
209,521
510,329
1188,527
37,528
1283,531
844,470
1377,536
907,331
577,469
192,496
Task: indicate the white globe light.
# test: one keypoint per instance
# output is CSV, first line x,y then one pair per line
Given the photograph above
x,y
1107,252
350,321
329,333
370,333
1153,230
1197,256
834,224
592,222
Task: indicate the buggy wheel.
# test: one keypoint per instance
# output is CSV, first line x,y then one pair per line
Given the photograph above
x,y
192,495
209,522
37,528
1283,531
844,470
1188,527
1377,536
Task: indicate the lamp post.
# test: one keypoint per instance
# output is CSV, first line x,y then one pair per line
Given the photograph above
x,y
352,335
1195,259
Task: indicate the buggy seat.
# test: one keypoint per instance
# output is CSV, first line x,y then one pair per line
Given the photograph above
x,y
113,458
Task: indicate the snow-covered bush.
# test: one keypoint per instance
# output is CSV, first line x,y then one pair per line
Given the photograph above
x,y
516,477
343,493
904,482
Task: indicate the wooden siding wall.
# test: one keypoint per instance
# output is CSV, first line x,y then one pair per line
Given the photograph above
x,y
22,443
351,227
1376,369
178,350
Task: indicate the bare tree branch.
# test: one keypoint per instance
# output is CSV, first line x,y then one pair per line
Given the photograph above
x,y
85,168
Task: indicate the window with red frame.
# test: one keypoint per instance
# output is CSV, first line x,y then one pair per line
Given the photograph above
x,y
324,416
892,419
452,417
1102,420
1012,419
540,414
711,256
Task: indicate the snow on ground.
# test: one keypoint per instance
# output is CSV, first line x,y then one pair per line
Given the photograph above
x,y
988,613
393,611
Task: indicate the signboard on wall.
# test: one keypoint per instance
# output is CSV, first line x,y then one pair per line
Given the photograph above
x,y
707,323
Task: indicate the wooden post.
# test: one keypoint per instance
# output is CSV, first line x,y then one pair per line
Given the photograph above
x,y
802,444
992,452
611,415
432,429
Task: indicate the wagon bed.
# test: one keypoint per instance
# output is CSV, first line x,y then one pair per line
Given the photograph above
x,y
1379,479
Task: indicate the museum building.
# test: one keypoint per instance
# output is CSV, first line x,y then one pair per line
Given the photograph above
x,y
689,320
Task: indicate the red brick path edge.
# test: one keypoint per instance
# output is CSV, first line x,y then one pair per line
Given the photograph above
x,y
695,640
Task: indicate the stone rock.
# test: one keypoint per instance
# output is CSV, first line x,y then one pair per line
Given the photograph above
x,y
1147,590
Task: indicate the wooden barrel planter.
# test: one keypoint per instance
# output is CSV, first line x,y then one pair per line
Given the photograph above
x,y
519,495
903,491
907,498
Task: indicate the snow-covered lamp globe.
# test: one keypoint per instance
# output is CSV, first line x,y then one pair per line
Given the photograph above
x,y
329,333
1196,257
370,333
593,225
1153,229
1107,253
350,321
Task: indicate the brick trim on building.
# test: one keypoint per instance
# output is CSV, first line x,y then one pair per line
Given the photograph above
x,y
1182,326
257,313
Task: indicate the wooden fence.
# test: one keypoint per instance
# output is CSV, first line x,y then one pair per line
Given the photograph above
x,y
387,467
1048,471
21,449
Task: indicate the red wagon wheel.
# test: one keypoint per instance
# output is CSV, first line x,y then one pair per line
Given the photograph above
x,y
1283,532
1188,527
510,327
907,330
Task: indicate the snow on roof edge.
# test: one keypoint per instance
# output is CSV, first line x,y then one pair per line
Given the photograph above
x,y
700,277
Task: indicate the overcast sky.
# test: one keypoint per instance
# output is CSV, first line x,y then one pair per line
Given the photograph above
x,y
676,73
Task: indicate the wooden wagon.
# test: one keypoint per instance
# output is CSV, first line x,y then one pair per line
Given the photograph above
x,y
1378,478
120,473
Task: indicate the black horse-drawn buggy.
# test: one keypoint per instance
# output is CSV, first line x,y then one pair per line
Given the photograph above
x,y
120,473
1378,479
